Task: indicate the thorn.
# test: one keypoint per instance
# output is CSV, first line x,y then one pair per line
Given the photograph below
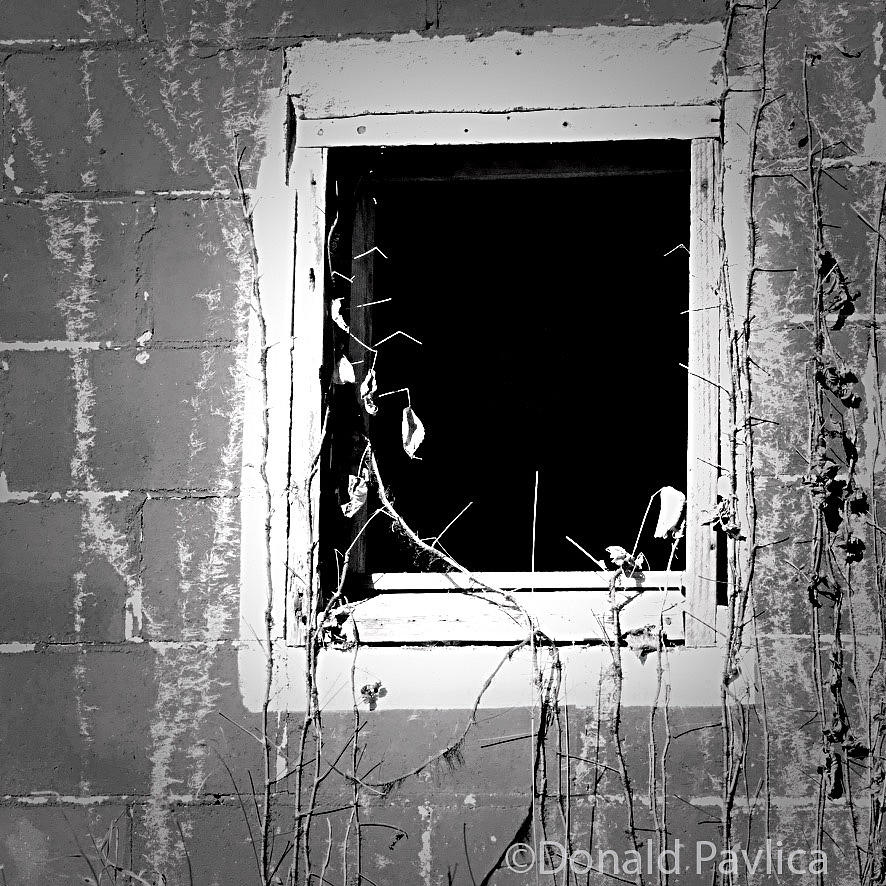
x,y
394,335
369,252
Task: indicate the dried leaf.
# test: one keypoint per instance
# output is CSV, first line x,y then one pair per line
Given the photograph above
x,y
624,559
372,692
672,503
335,312
367,392
358,491
642,641
834,772
724,486
854,749
344,372
617,554
413,431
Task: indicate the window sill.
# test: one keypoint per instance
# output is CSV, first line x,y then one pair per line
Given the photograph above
x,y
572,607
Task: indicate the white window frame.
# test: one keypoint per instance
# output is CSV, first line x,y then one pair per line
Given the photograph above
x,y
362,93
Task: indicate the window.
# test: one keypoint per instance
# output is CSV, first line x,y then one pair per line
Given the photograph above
x,y
532,306
507,200
513,296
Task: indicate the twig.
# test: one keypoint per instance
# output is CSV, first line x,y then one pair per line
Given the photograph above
x,y
589,556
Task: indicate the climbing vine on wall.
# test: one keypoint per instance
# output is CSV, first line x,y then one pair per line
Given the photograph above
x,y
292,828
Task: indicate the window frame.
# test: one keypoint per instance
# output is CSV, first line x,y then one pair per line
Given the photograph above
x,y
331,118
401,622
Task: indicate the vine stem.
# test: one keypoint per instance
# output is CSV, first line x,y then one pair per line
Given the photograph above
x,y
268,746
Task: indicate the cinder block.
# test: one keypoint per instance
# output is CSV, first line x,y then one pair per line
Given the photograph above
x,y
784,511
76,722
785,241
71,268
197,724
164,423
400,740
57,844
465,16
280,19
191,575
782,355
133,720
785,358
66,569
791,704
65,19
848,196
37,441
839,82
216,843
127,132
196,270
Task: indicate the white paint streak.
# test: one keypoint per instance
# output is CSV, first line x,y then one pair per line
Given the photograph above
x,y
870,429
425,856
6,495
50,345
93,496
188,688
875,131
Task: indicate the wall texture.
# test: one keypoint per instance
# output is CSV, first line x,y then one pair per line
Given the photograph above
x,y
125,281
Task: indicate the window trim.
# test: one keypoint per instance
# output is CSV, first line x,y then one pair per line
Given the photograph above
x,y
599,83
308,173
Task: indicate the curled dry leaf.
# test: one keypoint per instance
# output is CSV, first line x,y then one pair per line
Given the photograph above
x,y
372,692
672,503
367,392
344,372
413,431
358,491
624,560
617,554
642,641
335,312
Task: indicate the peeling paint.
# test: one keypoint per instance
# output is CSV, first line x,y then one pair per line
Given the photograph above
x,y
875,131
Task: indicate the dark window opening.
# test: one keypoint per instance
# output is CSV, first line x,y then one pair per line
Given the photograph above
x,y
543,285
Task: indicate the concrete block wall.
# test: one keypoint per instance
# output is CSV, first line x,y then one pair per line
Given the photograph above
x,y
124,286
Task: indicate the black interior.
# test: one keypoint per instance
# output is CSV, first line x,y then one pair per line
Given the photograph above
x,y
552,323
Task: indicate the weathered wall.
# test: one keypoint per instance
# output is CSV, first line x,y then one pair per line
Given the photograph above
x,y
124,287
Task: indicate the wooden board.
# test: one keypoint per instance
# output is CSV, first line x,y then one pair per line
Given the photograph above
x,y
447,581
566,616
594,124
704,394
593,67
309,177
